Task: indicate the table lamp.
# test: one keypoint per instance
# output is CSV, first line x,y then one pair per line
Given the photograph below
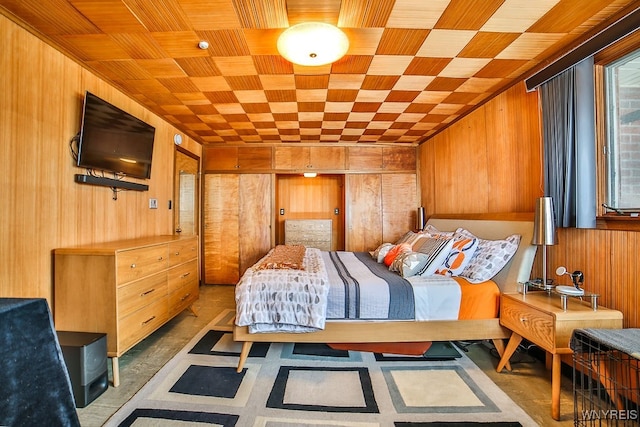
x,y
544,231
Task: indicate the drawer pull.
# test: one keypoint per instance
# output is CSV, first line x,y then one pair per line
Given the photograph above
x,y
185,275
177,253
133,266
160,259
523,319
147,292
185,297
148,320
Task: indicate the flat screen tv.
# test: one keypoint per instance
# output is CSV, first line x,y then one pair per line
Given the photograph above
x,y
113,140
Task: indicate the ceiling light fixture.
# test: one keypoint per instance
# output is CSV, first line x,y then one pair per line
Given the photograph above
x,y
313,43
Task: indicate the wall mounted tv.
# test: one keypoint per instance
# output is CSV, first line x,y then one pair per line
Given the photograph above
x,y
113,140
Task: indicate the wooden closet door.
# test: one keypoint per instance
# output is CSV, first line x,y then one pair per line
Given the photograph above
x,y
399,205
221,229
364,212
255,214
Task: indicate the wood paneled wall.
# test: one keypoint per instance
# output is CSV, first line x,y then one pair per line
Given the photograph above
x,y
609,261
41,207
490,162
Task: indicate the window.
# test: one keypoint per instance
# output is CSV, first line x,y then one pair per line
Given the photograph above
x,y
622,147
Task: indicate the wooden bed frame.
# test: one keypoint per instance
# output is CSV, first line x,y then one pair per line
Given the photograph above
x,y
517,270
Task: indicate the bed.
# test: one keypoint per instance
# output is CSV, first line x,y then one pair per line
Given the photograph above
x,y
409,330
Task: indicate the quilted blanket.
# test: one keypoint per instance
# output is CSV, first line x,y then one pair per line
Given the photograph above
x,y
283,299
363,289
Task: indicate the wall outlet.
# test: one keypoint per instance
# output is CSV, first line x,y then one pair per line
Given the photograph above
x,y
153,203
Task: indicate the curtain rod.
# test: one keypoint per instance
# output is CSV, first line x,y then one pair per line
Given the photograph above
x,y
609,35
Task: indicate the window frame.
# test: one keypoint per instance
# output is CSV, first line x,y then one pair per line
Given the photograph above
x,y
604,218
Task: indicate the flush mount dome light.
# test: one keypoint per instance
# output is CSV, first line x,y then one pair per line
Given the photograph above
x,y
313,43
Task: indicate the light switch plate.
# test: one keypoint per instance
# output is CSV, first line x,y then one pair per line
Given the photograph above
x,y
153,203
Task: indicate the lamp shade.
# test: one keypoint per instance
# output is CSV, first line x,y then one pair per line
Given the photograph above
x,y
544,228
420,218
313,43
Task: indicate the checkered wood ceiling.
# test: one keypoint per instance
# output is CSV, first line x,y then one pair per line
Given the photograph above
x,y
413,66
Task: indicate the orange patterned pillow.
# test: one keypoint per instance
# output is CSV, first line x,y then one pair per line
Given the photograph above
x,y
395,251
460,255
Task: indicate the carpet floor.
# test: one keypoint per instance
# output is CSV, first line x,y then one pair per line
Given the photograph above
x,y
314,385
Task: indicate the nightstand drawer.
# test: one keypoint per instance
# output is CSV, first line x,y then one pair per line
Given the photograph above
x,y
536,326
540,318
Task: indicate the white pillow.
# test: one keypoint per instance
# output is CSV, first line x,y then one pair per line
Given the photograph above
x,y
409,264
490,257
381,251
436,250
431,231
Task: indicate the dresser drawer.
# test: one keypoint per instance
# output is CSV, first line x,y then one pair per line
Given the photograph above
x,y
314,225
141,323
137,263
182,297
181,251
308,236
537,326
183,274
135,295
313,233
323,245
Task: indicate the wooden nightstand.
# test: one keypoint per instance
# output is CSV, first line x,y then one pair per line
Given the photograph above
x,y
538,317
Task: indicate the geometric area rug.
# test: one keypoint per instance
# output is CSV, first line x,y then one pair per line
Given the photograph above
x,y
313,385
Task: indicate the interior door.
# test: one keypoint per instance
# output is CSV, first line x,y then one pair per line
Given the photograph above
x,y
364,215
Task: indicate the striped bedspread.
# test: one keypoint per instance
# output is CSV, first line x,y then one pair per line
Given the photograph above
x,y
366,290
362,289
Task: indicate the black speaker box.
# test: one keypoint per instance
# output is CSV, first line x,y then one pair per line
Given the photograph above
x,y
85,354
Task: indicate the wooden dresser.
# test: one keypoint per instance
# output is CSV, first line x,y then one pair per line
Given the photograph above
x,y
126,289
314,233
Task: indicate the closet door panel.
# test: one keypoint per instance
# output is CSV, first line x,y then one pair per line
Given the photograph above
x,y
399,205
364,212
254,200
221,225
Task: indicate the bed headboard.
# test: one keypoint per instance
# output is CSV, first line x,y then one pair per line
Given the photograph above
x,y
518,269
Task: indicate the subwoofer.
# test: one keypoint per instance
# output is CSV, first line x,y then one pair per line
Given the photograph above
x,y
85,354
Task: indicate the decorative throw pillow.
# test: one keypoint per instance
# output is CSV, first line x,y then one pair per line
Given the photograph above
x,y
418,242
490,257
409,263
461,253
381,251
395,251
409,237
436,250
431,231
